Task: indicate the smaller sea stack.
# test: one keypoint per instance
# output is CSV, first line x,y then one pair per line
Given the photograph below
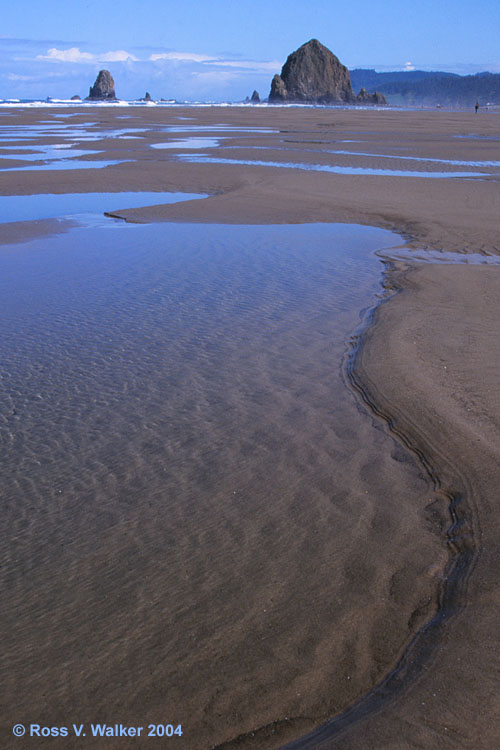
x,y
104,87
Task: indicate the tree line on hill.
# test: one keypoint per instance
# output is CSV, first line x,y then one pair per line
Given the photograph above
x,y
419,87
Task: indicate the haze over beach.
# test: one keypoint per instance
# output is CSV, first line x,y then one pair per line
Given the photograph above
x,y
249,284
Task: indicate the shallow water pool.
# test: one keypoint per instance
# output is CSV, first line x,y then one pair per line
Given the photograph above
x,y
50,205
193,501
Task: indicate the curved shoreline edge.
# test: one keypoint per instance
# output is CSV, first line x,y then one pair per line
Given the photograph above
x,y
459,537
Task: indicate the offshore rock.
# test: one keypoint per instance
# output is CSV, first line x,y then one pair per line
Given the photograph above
x,y
255,98
278,90
104,86
365,98
312,74
379,98
76,98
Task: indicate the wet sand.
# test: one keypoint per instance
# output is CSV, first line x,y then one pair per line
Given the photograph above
x,y
452,214
427,367
440,393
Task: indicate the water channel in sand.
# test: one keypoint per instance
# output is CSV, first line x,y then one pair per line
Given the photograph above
x,y
201,523
332,168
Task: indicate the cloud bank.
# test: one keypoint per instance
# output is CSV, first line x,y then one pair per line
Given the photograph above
x,y
31,70
74,55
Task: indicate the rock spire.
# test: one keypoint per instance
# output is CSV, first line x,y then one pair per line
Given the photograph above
x,y
104,86
313,75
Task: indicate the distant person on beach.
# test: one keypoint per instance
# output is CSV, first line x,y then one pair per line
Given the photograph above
x,y
476,107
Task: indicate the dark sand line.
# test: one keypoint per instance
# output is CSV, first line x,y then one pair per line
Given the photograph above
x,y
454,703
457,516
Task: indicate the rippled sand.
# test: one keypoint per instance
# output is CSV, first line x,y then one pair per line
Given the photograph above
x,y
202,524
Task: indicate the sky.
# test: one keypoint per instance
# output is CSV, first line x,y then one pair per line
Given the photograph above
x,y
221,50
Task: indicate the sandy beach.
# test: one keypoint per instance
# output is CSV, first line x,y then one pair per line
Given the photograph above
x,y
423,373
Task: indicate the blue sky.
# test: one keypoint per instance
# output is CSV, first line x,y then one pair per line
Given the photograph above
x,y
223,49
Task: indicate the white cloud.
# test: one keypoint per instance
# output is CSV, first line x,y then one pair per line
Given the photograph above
x,y
194,57
74,55
118,55
273,65
180,57
66,55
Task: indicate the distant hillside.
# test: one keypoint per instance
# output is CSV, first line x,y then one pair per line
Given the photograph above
x,y
371,80
424,87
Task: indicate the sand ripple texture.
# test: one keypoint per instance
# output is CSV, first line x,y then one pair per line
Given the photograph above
x,y
200,523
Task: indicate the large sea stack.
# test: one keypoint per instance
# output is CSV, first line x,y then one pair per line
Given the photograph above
x,y
104,86
313,75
